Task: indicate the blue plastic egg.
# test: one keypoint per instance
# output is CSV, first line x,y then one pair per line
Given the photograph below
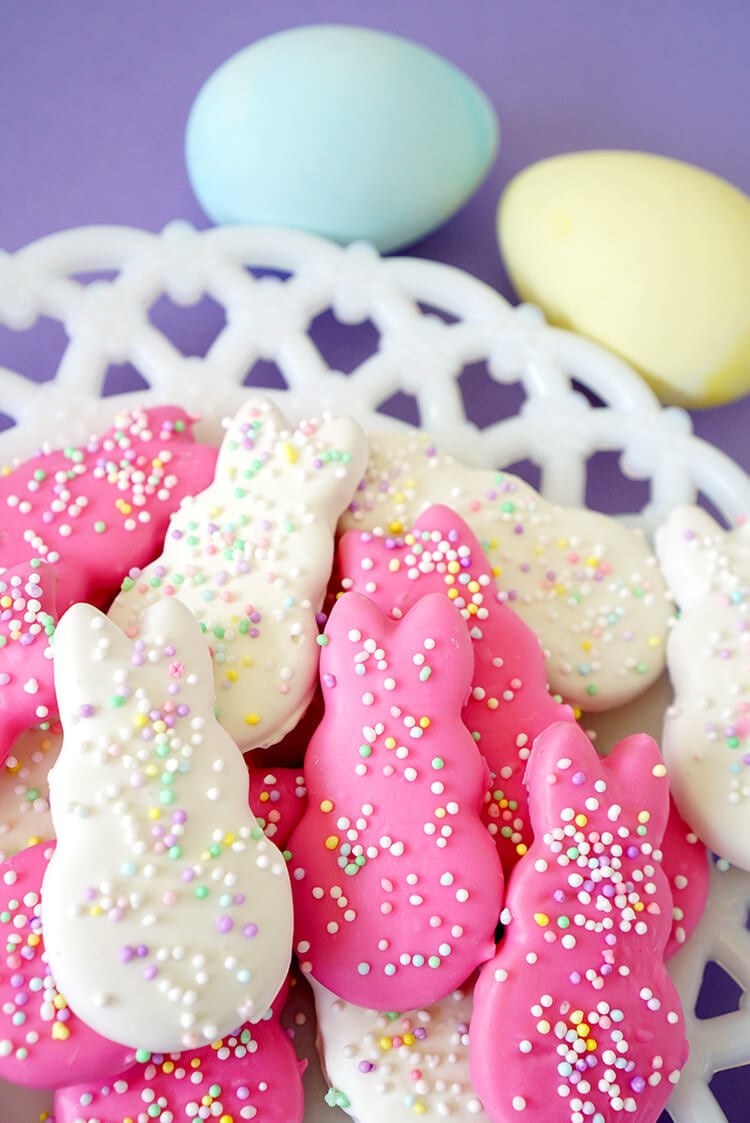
x,y
343,131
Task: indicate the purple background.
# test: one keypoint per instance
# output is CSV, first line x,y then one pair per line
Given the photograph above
x,y
94,98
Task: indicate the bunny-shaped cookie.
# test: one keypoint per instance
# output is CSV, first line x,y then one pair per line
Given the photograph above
x,y
508,703
706,738
252,1073
167,913
575,1017
587,585
28,613
251,556
94,511
397,884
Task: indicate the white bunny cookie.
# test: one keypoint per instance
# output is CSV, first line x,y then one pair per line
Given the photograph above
x,y
398,1066
706,739
587,585
167,914
251,556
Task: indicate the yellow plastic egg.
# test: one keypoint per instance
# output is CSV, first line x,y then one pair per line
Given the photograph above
x,y
646,255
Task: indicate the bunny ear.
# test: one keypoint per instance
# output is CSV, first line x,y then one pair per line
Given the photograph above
x,y
84,637
437,639
687,546
250,438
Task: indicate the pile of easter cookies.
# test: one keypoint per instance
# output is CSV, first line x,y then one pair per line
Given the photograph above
x,y
321,696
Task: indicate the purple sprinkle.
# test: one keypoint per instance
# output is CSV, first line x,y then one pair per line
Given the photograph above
x,y
225,924
89,894
150,972
126,954
609,890
179,816
420,1033
86,710
366,1066
637,1083
239,899
575,977
329,680
578,778
250,930
16,980
141,951
559,896
632,851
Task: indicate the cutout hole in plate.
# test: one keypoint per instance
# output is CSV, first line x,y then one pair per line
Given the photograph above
x,y
122,378
402,406
486,400
604,476
265,375
719,993
344,347
191,328
6,422
36,352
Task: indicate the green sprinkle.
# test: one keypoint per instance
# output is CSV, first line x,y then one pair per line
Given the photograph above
x,y
127,584
100,526
592,689
365,750
175,852
323,641
438,762
434,961
142,1056
201,892
425,673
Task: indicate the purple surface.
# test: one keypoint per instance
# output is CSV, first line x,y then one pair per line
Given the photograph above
x,y
94,98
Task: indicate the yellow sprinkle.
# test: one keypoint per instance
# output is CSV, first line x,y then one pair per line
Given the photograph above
x,y
232,676
247,661
60,1031
474,587
644,816
96,910
453,593
140,720
424,723
659,770
472,609
439,812
5,602
408,1039
583,1030
159,726
592,562
497,571
151,770
207,1101
156,462
390,742
563,543
252,719
332,842
492,703
196,1062
590,1044
291,453
264,797
226,1119
395,526
654,641
586,645
576,1017
326,806
394,565
386,1043
155,813
454,567
521,849
59,1002
581,820
638,906
418,1108
229,839
399,497
409,539
33,940
541,919
168,1067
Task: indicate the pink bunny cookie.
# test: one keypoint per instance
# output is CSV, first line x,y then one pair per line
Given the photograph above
x,y
509,702
397,884
43,1044
28,613
252,1073
398,1066
251,556
575,1018
278,798
24,790
587,585
167,913
706,738
95,511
